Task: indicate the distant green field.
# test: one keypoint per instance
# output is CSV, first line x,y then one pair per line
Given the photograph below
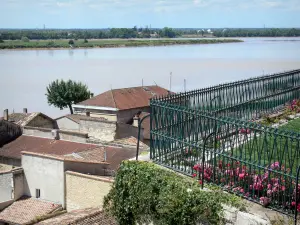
x,y
107,43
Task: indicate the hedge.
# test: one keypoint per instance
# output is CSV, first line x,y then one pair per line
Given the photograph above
x,y
144,192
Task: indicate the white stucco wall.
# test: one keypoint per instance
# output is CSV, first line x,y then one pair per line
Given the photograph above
x,y
44,174
67,124
6,186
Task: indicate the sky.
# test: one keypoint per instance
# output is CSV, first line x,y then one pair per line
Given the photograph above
x,y
154,13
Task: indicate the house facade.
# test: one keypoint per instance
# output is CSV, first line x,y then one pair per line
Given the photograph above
x,y
120,105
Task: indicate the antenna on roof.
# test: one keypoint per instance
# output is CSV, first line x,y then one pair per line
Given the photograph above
x,y
155,83
170,81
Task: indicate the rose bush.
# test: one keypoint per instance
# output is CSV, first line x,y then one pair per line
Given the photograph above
x,y
267,186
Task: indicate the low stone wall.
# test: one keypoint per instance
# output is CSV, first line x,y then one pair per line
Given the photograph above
x,y
73,136
38,132
101,130
85,191
62,134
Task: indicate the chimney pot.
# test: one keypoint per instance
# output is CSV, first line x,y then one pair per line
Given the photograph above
x,y
25,110
136,121
5,114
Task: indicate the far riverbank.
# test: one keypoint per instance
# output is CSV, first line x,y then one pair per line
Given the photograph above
x,y
107,43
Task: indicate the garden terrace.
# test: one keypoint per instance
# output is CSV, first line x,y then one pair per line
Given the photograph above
x,y
207,134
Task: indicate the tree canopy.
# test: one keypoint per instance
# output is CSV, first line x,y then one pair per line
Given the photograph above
x,y
63,94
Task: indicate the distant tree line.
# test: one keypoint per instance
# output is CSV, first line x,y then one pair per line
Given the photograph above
x,y
88,34
268,32
126,33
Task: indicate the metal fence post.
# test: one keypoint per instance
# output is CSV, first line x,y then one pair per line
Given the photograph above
x,y
203,158
296,198
140,121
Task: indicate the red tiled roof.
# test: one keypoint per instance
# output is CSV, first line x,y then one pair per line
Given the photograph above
x,y
126,98
42,145
89,216
26,209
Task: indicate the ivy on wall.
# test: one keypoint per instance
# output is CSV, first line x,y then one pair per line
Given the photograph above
x,y
144,192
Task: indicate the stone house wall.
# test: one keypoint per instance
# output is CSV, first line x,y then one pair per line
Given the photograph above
x,y
41,121
85,191
125,115
102,130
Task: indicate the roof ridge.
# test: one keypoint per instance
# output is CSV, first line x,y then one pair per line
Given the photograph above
x,y
138,87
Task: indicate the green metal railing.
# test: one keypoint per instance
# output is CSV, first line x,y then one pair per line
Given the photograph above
x,y
205,134
231,95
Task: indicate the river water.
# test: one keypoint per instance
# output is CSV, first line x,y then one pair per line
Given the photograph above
x,y
26,73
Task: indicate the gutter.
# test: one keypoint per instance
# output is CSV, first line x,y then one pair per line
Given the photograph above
x,y
94,107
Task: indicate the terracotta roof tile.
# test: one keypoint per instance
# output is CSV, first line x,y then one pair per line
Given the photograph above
x,y
22,119
42,145
26,209
88,216
128,142
126,98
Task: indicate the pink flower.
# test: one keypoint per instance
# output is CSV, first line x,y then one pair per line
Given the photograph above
x,y
194,175
275,165
242,190
293,204
251,187
196,167
269,192
283,188
241,175
265,201
269,186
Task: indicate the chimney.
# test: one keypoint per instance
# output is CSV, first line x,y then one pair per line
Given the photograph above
x,y
5,114
55,134
136,120
88,114
25,110
91,95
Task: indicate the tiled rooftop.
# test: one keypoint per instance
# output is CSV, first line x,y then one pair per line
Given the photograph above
x,y
81,217
42,145
22,119
26,209
126,98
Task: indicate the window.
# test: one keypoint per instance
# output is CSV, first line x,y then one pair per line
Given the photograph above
x,y
37,193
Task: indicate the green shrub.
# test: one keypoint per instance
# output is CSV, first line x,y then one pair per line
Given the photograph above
x,y
1,41
25,39
144,192
71,42
85,41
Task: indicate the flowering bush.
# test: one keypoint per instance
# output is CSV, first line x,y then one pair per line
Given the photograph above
x,y
267,186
